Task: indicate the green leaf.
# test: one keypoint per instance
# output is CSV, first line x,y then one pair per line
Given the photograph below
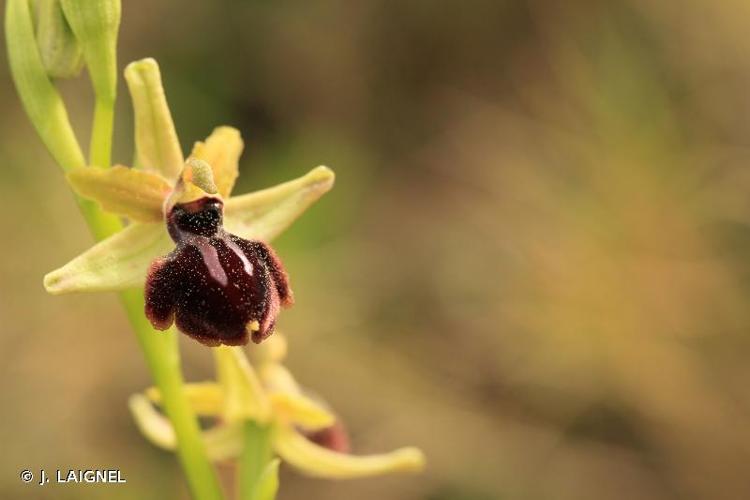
x,y
116,263
121,190
263,215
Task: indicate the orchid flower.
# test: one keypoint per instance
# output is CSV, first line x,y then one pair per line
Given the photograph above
x,y
304,432
200,252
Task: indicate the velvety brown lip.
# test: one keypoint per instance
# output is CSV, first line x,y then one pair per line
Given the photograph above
x,y
216,287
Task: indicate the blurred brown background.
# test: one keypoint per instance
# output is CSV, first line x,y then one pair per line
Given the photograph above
x,y
534,265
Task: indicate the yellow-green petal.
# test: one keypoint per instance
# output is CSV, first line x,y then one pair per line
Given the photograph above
x,y
136,194
153,425
244,397
117,263
156,143
265,214
205,398
221,150
316,461
222,442
301,411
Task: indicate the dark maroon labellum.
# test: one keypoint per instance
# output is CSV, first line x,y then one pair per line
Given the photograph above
x,y
217,287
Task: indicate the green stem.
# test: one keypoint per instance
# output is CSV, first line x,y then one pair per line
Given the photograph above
x,y
160,348
162,355
163,359
47,112
256,453
100,151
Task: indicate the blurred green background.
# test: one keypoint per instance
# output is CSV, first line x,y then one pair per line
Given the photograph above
x,y
535,264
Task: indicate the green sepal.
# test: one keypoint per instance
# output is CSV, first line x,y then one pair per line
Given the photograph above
x,y
136,194
156,143
265,214
116,263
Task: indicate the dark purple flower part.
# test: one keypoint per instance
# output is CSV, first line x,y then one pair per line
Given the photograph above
x,y
217,287
334,438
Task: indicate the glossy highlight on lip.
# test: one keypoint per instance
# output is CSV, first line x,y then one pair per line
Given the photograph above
x,y
216,287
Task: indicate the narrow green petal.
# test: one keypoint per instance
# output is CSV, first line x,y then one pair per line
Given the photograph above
x,y
316,461
301,411
117,263
221,150
136,194
244,397
153,425
268,483
156,143
206,398
265,214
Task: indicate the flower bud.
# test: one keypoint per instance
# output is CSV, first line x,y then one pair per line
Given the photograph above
x,y
95,24
60,51
40,98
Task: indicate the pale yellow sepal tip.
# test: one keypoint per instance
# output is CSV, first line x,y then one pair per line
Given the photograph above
x,y
321,174
52,283
147,63
316,461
